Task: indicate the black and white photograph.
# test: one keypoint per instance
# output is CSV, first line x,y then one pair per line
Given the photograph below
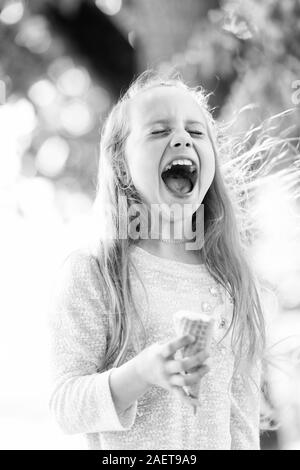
x,y
150,227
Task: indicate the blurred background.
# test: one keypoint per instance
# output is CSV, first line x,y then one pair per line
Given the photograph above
x,y
63,64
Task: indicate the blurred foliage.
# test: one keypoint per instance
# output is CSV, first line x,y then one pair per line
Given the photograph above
x,y
252,46
243,51
271,64
69,87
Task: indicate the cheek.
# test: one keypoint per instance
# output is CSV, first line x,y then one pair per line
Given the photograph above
x,y
140,160
207,159
142,168
211,165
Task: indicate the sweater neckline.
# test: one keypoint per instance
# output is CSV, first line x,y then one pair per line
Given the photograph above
x,y
154,262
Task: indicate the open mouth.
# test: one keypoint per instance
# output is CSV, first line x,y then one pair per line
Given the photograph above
x,y
180,177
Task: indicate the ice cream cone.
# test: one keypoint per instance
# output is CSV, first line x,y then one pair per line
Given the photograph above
x,y
199,325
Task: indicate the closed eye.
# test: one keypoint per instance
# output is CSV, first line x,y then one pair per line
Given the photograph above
x,y
162,131
196,132
159,132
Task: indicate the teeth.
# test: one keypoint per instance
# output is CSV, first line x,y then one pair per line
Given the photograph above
x,y
180,162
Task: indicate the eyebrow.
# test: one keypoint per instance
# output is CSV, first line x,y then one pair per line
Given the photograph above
x,y
167,121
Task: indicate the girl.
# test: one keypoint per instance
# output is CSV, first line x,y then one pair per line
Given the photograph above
x,y
118,374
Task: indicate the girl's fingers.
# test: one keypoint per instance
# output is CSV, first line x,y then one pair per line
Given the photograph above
x,y
173,367
188,379
194,361
170,348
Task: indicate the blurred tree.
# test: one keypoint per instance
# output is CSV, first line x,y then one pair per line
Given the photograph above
x,y
90,33
176,35
47,52
243,51
270,66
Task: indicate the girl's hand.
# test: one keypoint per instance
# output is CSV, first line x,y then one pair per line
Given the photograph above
x,y
156,365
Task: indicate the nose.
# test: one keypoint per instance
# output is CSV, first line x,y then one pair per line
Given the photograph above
x,y
181,139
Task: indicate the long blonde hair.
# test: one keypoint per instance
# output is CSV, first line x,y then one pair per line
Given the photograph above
x,y
224,251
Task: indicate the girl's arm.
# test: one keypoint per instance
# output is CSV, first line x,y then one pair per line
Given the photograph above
x,y
81,399
245,412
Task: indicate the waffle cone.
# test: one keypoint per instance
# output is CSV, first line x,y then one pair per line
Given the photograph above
x,y
200,326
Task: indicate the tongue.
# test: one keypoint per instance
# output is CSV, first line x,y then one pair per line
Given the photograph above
x,y
178,184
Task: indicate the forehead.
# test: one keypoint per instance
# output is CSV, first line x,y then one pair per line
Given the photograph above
x,y
163,102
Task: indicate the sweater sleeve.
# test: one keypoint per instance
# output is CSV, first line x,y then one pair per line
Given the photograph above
x,y
245,412
81,400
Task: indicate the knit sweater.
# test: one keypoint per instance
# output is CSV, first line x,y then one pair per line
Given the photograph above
x,y
81,399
